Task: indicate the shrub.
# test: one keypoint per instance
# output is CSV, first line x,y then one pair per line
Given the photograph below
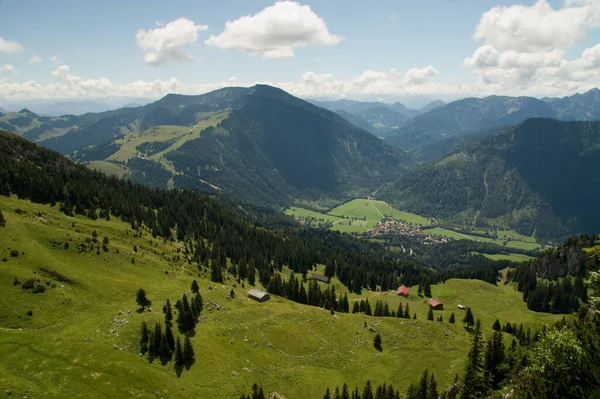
x,y
4,260
14,253
30,313
28,284
39,289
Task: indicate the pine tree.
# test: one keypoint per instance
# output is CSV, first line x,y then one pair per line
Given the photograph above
x,y
430,314
188,353
195,288
496,326
472,385
144,339
368,308
424,385
355,308
469,319
327,394
367,391
377,342
157,334
168,310
141,299
432,392
452,319
345,392
400,312
178,355
169,337
407,312
164,352
152,349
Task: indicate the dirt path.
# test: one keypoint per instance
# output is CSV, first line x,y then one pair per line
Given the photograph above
x,y
378,211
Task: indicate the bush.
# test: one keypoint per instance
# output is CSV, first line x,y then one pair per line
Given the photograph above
x,y
39,289
14,253
28,284
4,260
30,313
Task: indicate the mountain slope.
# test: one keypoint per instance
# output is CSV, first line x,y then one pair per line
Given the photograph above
x,y
467,116
375,117
537,177
259,145
584,106
276,147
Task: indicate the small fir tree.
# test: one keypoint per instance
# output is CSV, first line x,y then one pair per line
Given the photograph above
x,y
377,342
430,314
141,299
195,288
144,338
469,319
188,353
452,319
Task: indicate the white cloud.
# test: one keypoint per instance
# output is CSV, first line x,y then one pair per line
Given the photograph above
x,y
54,59
35,59
8,68
166,42
524,47
275,31
9,47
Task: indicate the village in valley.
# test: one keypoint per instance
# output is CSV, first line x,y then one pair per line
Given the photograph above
x,y
392,226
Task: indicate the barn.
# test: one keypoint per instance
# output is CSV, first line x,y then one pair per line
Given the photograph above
x,y
403,291
436,304
320,277
258,295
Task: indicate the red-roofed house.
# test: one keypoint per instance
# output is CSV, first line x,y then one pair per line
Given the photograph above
x,y
403,291
435,304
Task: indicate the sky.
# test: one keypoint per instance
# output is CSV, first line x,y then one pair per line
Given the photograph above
x,y
367,50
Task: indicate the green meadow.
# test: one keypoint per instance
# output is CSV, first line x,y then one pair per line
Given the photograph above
x,y
81,336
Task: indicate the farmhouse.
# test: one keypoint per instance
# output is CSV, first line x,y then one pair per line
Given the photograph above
x,y
258,295
319,277
435,304
403,291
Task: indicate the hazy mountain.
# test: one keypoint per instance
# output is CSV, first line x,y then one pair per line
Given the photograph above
x,y
584,106
2,110
431,105
541,176
467,116
75,107
258,144
376,117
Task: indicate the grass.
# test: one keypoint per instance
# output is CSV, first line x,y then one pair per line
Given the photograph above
x,y
109,168
509,257
523,245
307,213
516,236
67,347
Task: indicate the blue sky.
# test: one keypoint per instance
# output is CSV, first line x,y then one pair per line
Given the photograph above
x,y
333,48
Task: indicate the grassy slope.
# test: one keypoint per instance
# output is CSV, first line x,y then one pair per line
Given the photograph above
x,y
510,257
66,348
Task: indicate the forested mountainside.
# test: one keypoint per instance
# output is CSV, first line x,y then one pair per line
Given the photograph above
x,y
449,123
258,145
538,177
44,176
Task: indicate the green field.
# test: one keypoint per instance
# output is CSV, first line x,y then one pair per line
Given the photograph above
x,y
509,257
109,168
357,216
81,339
523,245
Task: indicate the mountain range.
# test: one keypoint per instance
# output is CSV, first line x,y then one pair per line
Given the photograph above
x,y
376,117
538,177
262,146
259,145
470,115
